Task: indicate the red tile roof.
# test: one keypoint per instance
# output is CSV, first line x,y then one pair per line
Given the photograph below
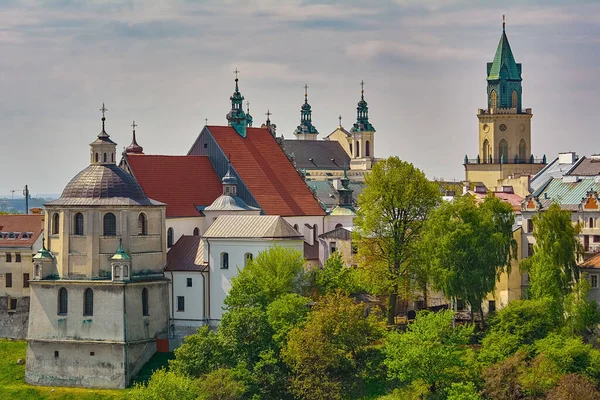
x,y
20,223
266,171
186,255
181,182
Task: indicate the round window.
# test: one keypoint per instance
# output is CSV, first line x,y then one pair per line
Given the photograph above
x,y
502,127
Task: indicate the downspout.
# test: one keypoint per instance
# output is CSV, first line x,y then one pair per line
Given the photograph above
x,y
125,350
203,296
172,305
208,287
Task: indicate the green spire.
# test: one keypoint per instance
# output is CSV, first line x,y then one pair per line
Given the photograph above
x,y
362,114
43,253
248,116
236,118
306,126
120,255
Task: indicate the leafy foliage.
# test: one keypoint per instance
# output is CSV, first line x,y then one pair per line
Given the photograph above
x,y
501,380
286,312
335,275
393,209
574,386
220,384
463,391
581,315
201,353
431,350
323,354
165,385
469,246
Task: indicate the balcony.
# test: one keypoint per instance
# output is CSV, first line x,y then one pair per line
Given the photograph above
x,y
515,160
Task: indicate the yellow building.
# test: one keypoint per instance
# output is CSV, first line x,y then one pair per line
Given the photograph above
x,y
505,150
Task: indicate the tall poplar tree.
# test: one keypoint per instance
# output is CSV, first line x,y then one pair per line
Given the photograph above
x,y
392,210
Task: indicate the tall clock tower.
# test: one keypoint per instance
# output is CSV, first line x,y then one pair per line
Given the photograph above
x,y
505,149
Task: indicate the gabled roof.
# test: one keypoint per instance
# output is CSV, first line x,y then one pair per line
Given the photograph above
x,y
20,230
568,194
555,169
266,171
504,59
593,262
342,129
252,226
187,255
317,154
586,167
182,182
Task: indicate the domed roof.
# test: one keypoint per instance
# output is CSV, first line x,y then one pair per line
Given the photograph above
x,y
103,184
229,203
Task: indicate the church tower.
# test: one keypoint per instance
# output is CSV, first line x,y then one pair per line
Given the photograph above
x,y
237,118
306,130
504,125
362,136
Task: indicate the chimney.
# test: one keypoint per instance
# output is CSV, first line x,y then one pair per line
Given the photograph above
x,y
568,157
465,187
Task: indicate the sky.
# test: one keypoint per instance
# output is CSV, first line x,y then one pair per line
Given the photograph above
x,y
168,65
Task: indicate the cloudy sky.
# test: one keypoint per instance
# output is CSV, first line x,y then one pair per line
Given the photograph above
x,y
168,66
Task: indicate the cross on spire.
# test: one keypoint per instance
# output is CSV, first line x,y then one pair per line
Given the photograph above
x,y
133,125
104,110
205,121
362,89
236,72
503,22
248,107
306,92
340,119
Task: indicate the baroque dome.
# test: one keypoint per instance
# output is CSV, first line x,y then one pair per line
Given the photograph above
x,y
103,184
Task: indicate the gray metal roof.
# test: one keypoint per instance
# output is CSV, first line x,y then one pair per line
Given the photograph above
x,y
103,184
316,154
229,203
568,194
251,226
586,167
555,169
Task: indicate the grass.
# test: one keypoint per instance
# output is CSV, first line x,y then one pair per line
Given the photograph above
x,y
13,386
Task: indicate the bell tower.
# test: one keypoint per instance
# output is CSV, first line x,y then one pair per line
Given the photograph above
x,y
504,125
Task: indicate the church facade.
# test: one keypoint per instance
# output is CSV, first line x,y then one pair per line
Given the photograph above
x,y
98,292
505,148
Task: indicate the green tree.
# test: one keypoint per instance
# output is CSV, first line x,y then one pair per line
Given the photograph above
x,y
574,387
220,384
463,391
393,209
336,275
272,273
201,353
286,312
501,380
324,353
469,246
581,315
553,266
431,350
165,385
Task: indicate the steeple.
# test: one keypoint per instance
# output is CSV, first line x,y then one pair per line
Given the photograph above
x,y
134,147
306,130
362,113
248,116
504,76
103,148
229,182
344,191
236,118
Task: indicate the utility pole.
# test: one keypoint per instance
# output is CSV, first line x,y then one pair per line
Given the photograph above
x,y
26,194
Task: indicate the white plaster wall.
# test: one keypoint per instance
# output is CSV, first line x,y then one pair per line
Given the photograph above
x,y
311,220
194,313
185,226
331,221
220,279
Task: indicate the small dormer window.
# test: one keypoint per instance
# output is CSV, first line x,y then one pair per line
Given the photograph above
x,y
13,235
105,157
226,189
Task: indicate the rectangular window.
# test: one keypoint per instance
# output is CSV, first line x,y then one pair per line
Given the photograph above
x,y
189,282
8,279
8,257
17,257
56,354
596,238
594,281
12,304
491,306
180,303
529,225
332,247
25,280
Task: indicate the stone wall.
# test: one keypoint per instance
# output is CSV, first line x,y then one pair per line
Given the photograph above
x,y
13,325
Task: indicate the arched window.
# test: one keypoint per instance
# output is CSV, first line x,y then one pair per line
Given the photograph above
x,y
339,226
110,224
170,237
350,149
145,310
315,234
224,260
522,151
79,224
125,271
88,302
591,223
196,232
62,301
503,148
112,157
357,149
38,272
55,223
247,258
296,227
493,99
367,149
142,224
105,158
96,157
486,151
515,99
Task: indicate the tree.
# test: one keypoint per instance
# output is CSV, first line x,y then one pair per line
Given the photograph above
x,y
201,353
463,391
469,246
165,385
574,386
501,380
220,384
392,210
285,313
336,275
553,266
581,315
272,273
431,350
324,353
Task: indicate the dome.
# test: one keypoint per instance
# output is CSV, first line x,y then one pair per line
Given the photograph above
x,y
103,184
230,203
